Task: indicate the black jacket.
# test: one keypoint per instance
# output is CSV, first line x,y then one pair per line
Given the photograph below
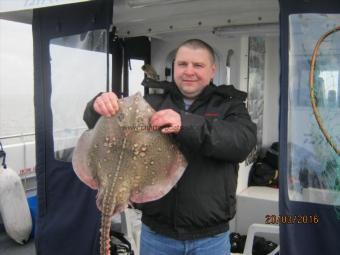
x,y
216,135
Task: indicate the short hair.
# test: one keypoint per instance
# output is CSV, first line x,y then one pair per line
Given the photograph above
x,y
197,44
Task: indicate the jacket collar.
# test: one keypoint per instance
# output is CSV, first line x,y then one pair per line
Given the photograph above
x,y
202,98
226,91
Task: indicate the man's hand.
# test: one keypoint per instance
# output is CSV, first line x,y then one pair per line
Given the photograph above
x,y
106,104
167,120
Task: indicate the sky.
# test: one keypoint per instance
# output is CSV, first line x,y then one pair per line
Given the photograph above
x,y
16,78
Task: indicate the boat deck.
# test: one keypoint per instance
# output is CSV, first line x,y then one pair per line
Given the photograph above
x,y
10,247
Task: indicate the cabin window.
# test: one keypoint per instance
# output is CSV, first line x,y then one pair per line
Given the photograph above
x,y
17,127
136,76
78,73
329,88
313,121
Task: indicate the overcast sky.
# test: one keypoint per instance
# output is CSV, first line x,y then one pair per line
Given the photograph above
x,y
16,78
16,57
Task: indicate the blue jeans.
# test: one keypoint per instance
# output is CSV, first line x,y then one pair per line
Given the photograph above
x,y
156,244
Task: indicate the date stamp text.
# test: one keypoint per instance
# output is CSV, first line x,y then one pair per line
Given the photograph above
x,y
291,219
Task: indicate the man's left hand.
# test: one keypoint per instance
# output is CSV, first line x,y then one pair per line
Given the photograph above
x,y
167,120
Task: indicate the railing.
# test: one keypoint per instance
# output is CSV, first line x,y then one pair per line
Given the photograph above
x,y
33,133
21,154
17,158
17,136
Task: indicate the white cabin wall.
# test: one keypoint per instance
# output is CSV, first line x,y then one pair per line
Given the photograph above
x,y
271,98
243,173
243,63
271,92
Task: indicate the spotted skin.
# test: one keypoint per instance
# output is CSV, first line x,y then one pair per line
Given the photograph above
x,y
126,160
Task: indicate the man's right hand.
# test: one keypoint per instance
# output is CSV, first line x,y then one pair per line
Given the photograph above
x,y
106,104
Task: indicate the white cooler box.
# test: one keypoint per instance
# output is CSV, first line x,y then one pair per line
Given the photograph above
x,y
253,205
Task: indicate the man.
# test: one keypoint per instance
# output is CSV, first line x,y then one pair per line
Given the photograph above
x,y
215,133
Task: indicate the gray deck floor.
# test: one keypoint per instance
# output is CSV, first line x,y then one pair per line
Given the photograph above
x,y
10,247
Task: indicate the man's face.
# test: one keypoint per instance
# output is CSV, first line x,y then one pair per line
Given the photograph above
x,y
194,69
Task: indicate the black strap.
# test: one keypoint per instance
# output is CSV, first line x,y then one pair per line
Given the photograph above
x,y
120,237
3,156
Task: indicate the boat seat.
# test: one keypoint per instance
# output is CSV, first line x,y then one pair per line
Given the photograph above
x,y
254,204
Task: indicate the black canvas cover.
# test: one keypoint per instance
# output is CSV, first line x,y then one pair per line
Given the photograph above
x,y
68,219
310,227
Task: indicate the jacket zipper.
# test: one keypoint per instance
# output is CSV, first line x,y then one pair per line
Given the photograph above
x,y
175,208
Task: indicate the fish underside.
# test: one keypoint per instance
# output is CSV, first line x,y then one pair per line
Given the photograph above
x,y
127,161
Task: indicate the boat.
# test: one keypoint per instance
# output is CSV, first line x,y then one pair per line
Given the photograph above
x,y
284,54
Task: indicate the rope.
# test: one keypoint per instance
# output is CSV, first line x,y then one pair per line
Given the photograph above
x,y
312,95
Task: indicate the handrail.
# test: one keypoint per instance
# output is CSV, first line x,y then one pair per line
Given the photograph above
x,y
16,135
33,133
